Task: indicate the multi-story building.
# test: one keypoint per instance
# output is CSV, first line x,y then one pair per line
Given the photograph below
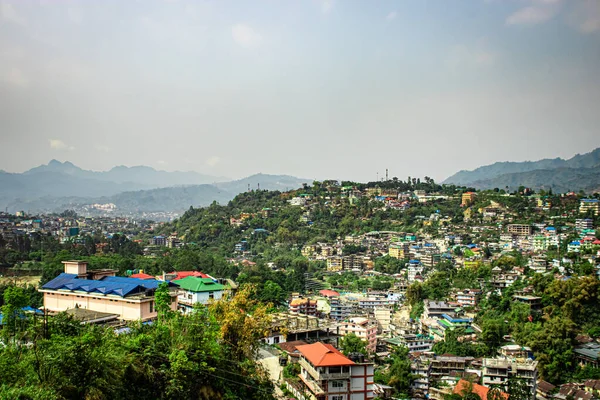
x,y
589,205
340,310
468,198
334,263
399,250
468,297
414,342
103,292
303,306
435,309
419,368
329,375
520,229
383,316
364,328
369,303
497,371
539,264
446,365
584,224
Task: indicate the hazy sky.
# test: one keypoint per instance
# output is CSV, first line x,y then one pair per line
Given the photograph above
x,y
316,89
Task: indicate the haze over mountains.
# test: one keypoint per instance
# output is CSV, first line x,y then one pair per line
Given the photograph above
x,y
581,172
57,186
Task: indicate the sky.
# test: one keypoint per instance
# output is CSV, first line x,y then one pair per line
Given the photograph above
x,y
317,89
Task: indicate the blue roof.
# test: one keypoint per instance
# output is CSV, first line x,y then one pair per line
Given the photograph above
x,y
471,246
589,200
414,261
575,243
114,285
550,228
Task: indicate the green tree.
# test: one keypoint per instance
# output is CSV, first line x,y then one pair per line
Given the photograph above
x,y
353,344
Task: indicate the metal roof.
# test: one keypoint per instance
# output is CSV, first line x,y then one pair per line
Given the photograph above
x,y
114,285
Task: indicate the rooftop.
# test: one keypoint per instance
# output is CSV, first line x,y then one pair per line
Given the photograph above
x,y
323,355
196,284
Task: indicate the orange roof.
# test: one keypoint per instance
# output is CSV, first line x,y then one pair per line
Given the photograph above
x,y
329,293
479,390
185,274
323,355
142,276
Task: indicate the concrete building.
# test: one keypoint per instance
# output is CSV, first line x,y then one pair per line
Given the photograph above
x,y
416,343
497,371
383,316
303,306
129,298
468,198
468,297
589,205
329,375
194,290
339,310
520,229
436,309
364,328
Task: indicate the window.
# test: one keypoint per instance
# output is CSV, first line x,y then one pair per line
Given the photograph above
x,y
189,296
337,384
151,307
338,397
211,295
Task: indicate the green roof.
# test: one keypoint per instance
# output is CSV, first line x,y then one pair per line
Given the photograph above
x,y
196,284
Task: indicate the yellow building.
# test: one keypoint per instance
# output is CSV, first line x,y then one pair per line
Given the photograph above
x,y
398,250
468,198
334,263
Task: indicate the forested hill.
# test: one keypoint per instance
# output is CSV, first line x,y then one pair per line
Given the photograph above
x,y
580,172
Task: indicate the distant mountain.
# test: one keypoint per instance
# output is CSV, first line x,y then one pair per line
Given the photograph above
x,y
58,186
560,180
534,174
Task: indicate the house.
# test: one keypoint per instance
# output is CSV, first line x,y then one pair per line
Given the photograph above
x,y
437,309
130,298
193,289
467,198
468,297
544,390
520,229
416,343
588,354
329,375
339,310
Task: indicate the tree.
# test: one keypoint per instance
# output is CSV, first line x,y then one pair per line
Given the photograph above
x,y
162,299
399,373
272,293
353,344
15,299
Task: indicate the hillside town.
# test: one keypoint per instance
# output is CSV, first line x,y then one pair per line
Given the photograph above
x,y
422,293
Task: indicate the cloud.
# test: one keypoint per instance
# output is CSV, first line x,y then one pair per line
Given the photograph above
x,y
327,6
245,36
14,76
103,148
391,16
585,16
213,161
536,14
58,144
162,162
9,14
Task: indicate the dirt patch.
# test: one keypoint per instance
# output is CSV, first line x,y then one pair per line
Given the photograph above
x,y
20,280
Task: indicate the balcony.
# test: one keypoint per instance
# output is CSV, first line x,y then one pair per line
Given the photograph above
x,y
321,376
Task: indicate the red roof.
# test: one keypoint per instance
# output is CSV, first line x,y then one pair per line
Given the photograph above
x,y
185,274
478,389
329,293
597,241
323,355
142,276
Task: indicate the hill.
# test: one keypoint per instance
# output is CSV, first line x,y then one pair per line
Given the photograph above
x,y
576,173
58,186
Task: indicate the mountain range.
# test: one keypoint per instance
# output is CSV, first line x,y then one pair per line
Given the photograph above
x,y
581,172
57,186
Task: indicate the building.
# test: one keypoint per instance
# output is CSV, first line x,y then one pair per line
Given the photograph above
x,y
520,229
588,354
468,297
334,263
416,343
383,316
364,328
193,289
339,310
435,309
303,306
584,224
399,250
329,375
463,386
589,205
534,302
468,198
497,371
130,298
158,241
442,366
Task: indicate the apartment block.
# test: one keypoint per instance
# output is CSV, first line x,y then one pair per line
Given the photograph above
x,y
497,371
520,229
